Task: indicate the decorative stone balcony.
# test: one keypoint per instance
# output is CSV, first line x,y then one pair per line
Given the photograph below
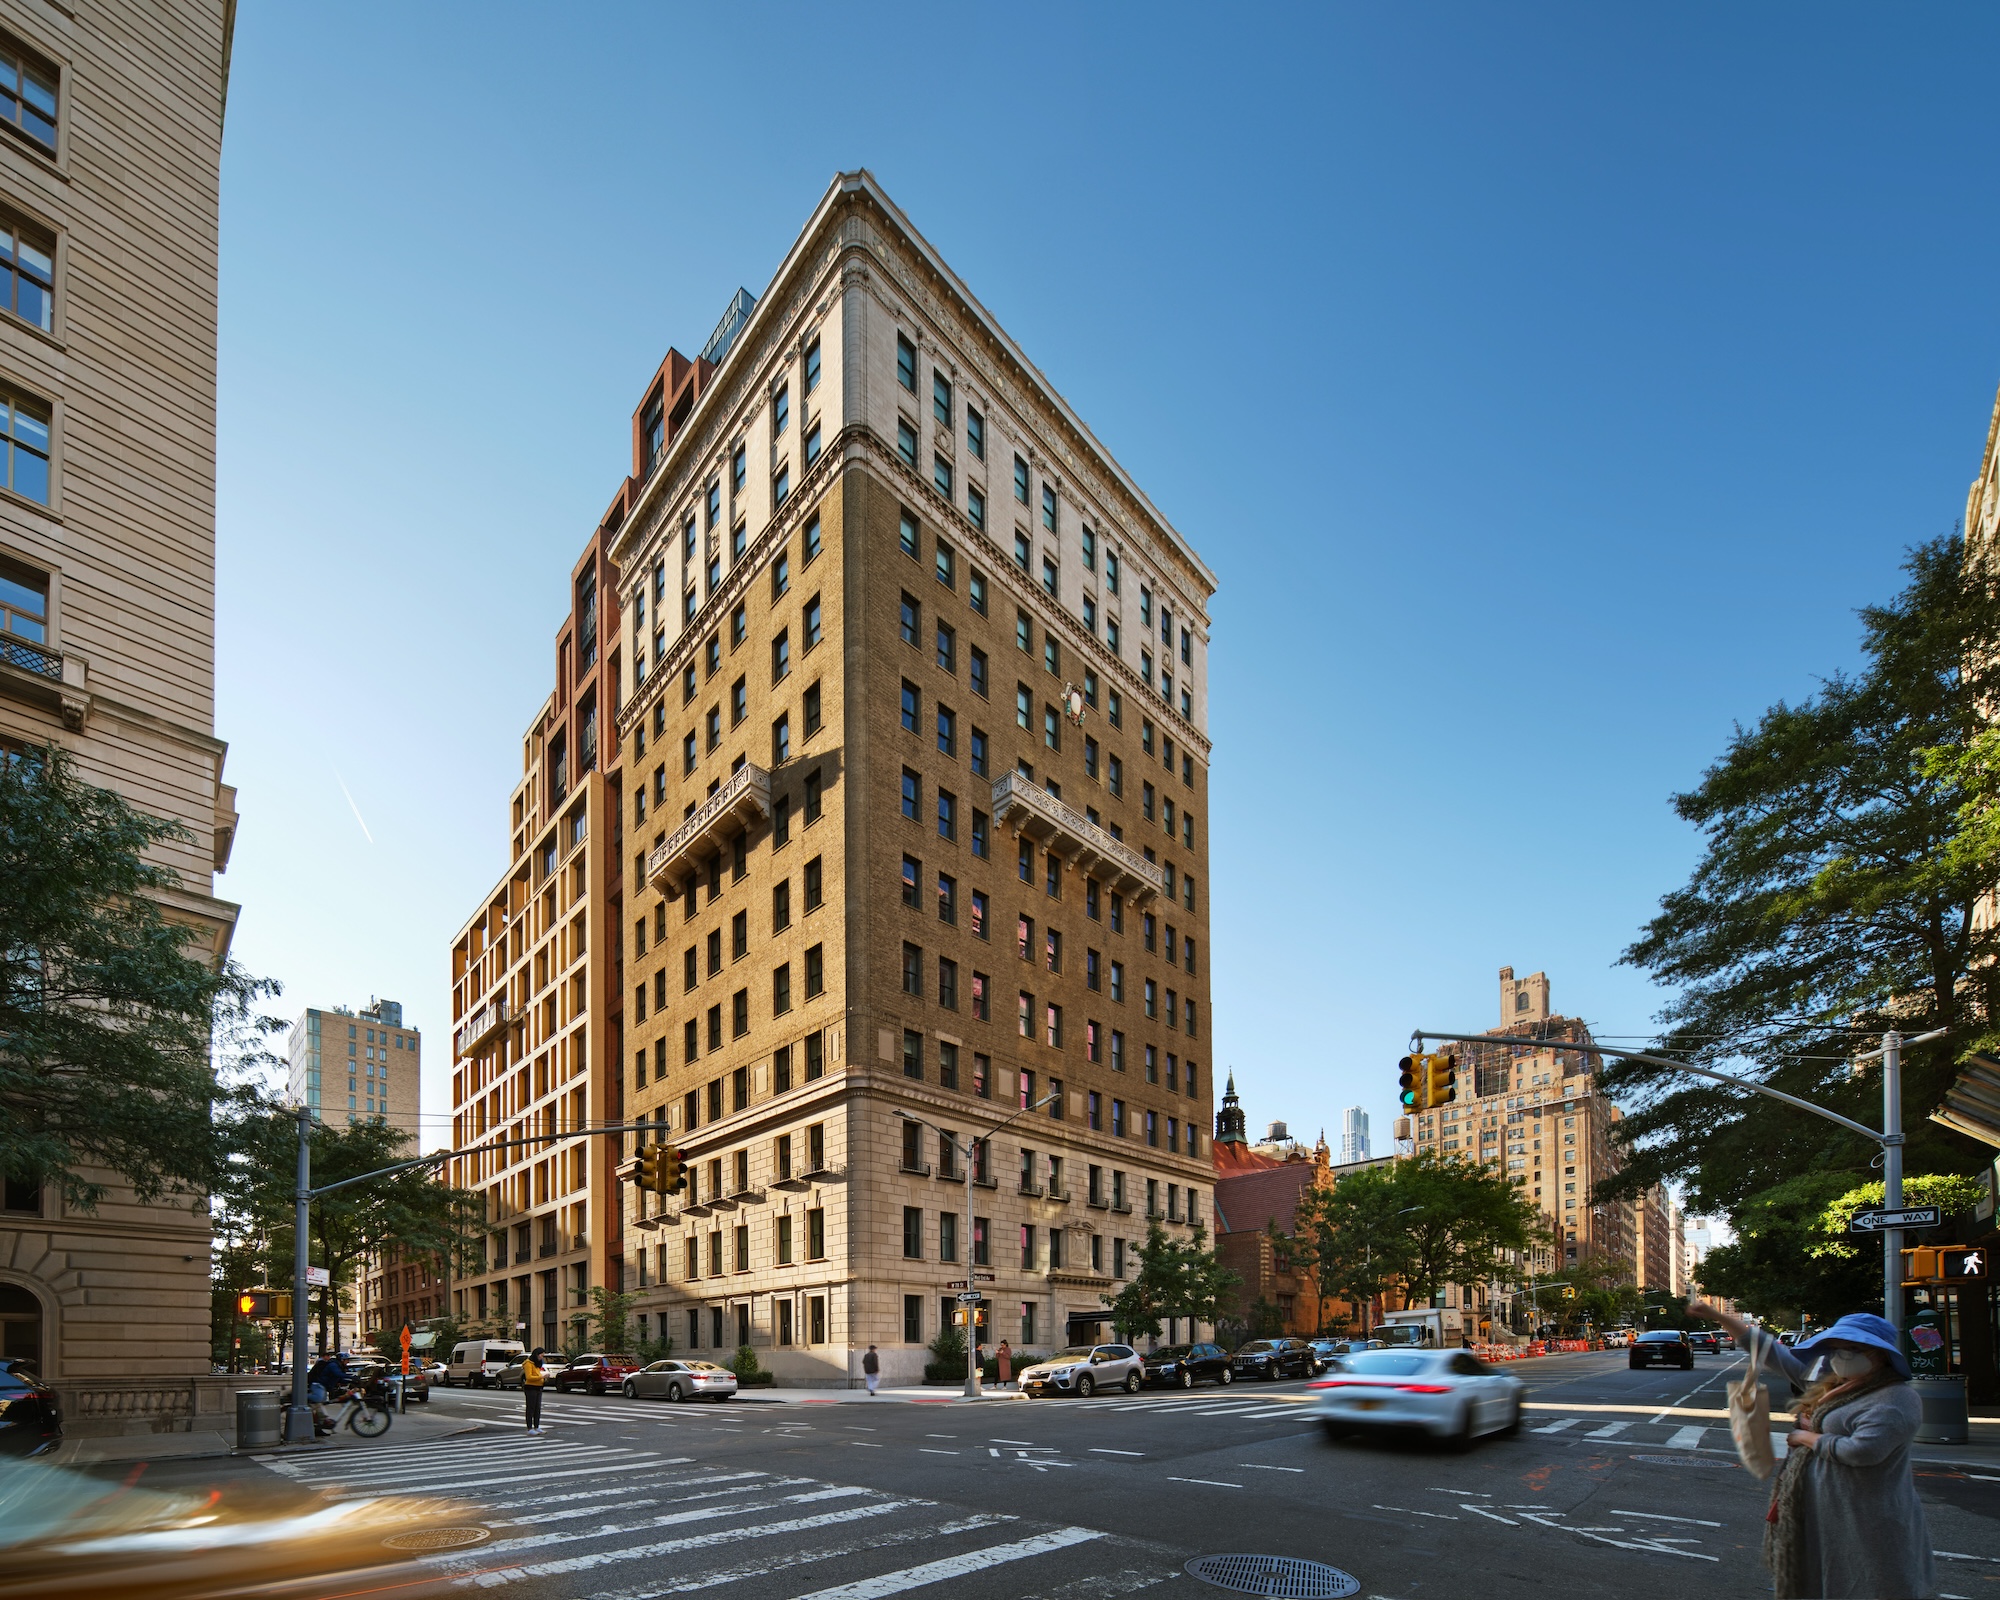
x,y
1030,810
488,1020
741,802
44,677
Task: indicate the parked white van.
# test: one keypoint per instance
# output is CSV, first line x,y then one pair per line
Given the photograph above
x,y
477,1362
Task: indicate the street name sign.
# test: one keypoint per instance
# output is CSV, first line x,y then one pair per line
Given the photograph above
x,y
1908,1217
960,1283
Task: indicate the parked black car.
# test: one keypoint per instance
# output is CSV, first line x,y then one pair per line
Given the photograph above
x,y
30,1418
1662,1347
1274,1359
1182,1365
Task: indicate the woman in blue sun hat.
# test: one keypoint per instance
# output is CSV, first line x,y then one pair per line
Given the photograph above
x,y
1845,1520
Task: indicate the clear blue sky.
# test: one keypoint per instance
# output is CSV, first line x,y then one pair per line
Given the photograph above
x,y
1547,387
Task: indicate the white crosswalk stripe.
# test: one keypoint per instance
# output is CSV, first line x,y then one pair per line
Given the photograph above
x,y
1610,1430
1688,1438
1556,1427
619,1523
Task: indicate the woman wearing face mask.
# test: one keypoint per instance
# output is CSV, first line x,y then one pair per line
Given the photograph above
x,y
1845,1519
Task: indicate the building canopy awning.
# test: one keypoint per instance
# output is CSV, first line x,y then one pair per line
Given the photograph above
x,y
1972,1104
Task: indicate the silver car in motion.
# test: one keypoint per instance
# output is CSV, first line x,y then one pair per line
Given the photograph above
x,y
1448,1394
681,1380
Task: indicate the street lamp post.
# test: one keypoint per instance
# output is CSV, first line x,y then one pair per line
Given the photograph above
x,y
969,1153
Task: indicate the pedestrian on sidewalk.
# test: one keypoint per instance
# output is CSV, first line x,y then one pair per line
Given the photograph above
x,y
871,1369
1005,1357
533,1376
1845,1522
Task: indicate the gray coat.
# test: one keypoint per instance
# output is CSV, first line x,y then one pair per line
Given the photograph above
x,y
1865,1537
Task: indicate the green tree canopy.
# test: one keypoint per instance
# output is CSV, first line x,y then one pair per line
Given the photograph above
x,y
112,1012
1833,899
1172,1278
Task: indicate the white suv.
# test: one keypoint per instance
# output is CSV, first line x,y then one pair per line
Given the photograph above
x,y
1083,1369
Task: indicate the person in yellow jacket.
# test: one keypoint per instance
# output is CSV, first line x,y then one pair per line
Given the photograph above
x,y
533,1376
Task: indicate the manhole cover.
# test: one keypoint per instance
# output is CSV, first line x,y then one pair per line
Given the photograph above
x,y
1687,1461
448,1539
1281,1577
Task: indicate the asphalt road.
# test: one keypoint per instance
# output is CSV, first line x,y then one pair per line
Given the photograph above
x,y
1099,1498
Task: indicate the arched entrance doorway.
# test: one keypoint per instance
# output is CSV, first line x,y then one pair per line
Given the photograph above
x,y
20,1325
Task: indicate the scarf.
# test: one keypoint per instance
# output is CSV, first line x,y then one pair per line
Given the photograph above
x,y
1784,1523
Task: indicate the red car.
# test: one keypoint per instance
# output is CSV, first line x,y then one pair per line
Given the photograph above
x,y
596,1373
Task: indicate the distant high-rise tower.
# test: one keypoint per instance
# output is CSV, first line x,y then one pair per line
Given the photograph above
x,y
1353,1135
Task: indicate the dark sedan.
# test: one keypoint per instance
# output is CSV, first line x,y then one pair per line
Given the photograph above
x,y
1184,1365
30,1419
1661,1347
1704,1343
1273,1359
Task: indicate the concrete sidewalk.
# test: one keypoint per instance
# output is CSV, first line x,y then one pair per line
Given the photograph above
x,y
925,1394
417,1424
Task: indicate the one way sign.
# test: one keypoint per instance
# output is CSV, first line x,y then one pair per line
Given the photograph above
x,y
1907,1217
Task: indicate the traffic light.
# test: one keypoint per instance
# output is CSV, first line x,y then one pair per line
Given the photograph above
x,y
1441,1080
1959,1265
261,1305
646,1172
673,1170
1410,1077
1920,1264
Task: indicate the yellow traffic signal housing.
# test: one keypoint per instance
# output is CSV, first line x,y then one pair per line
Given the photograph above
x,y
281,1307
1920,1264
1411,1084
1441,1080
646,1172
254,1305
673,1170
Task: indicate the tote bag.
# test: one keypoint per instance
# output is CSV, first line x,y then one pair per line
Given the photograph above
x,y
1750,1412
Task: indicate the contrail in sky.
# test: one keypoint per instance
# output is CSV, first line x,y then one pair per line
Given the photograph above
x,y
351,806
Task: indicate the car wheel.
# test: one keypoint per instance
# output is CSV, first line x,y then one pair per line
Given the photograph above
x,y
1131,1383
1635,1363
631,1389
1186,1379
1513,1423
674,1393
1271,1373
1085,1387
1333,1430
1461,1434
1228,1377
594,1388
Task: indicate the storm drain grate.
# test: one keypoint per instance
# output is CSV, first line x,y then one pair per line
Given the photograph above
x,y
1687,1461
1279,1577
438,1538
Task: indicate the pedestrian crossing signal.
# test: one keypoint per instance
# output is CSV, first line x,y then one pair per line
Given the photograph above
x,y
1410,1079
1962,1265
263,1305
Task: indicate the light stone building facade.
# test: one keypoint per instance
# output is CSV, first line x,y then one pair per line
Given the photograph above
x,y
914,717
110,149
357,1065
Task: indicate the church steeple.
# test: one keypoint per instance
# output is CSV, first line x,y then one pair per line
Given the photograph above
x,y
1229,1125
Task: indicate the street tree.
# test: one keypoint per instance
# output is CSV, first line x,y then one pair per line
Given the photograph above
x,y
113,1011
1172,1278
1463,1222
1847,841
411,1212
1346,1237
611,1317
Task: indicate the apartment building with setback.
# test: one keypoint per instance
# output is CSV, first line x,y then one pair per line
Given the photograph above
x,y
537,1020
110,151
1540,1115
915,706
357,1065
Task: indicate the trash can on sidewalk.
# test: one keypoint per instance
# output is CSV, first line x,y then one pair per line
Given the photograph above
x,y
1943,1400
257,1418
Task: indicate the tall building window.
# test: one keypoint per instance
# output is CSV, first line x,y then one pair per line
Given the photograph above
x,y
24,604
906,363
28,260
28,93
24,429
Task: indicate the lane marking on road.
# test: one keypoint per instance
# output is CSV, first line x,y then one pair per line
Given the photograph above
x,y
1481,1511
865,1444
1652,1413
1013,1441
1688,1438
1610,1430
888,1583
1740,1361
1657,1516
927,1450
855,1427
1435,1516
1259,1466
1483,1494
1213,1483
940,1436
991,1451
1097,1451
1597,1535
492,1577
1557,1427
671,1519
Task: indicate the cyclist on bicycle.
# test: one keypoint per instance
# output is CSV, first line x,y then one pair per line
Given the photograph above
x,y
330,1379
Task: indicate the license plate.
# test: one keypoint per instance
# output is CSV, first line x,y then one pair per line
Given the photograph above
x,y
1367,1405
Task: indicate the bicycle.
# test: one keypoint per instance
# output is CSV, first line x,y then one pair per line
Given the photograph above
x,y
363,1414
